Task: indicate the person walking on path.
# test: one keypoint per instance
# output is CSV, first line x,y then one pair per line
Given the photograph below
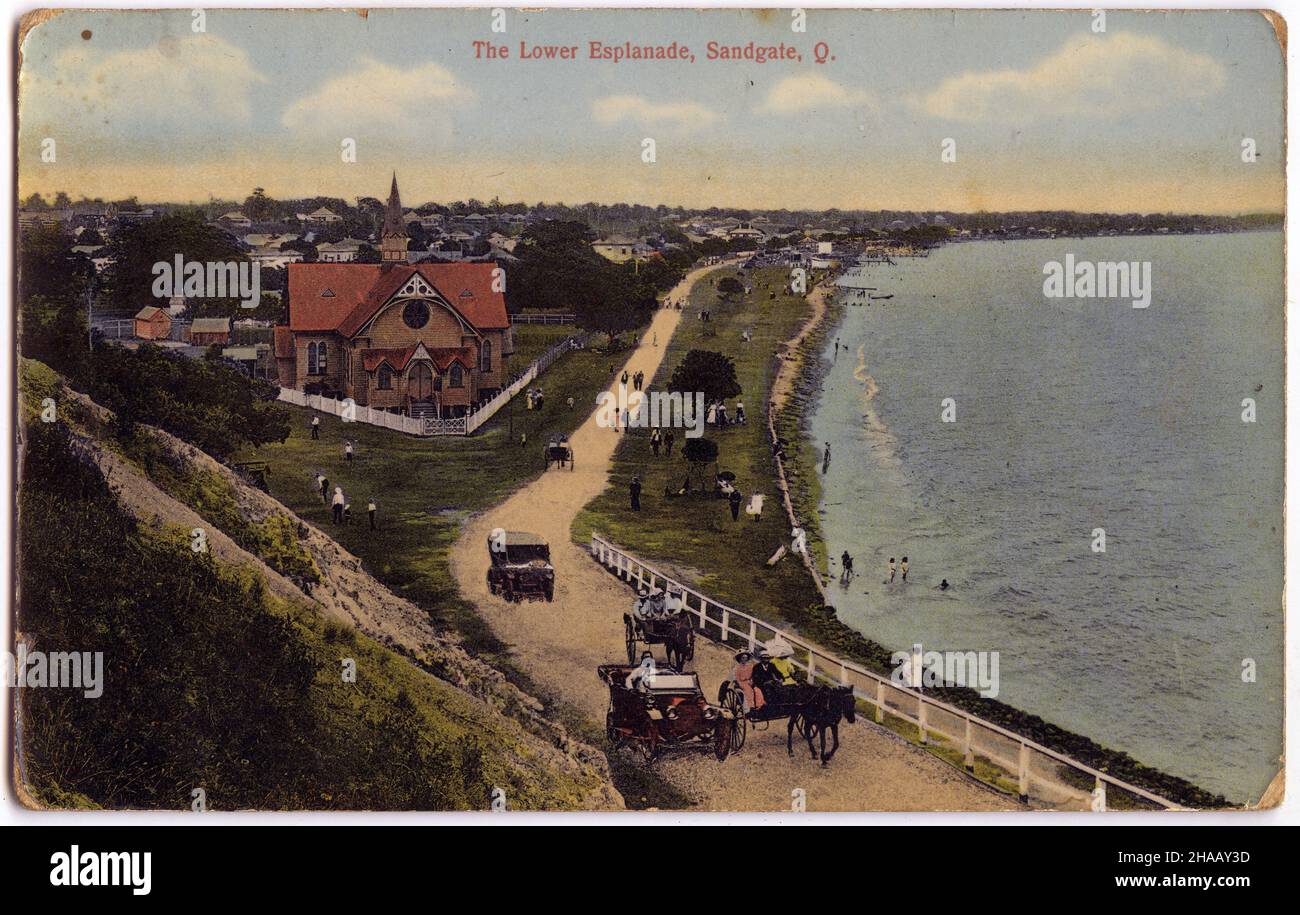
x,y
338,504
623,378
315,428
735,499
371,508
634,488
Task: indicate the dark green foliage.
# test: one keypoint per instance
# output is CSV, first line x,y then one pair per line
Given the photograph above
x,y
708,372
204,402
136,248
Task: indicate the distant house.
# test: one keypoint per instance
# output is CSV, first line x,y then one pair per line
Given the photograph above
x,y
152,323
324,216
207,331
255,360
30,219
339,252
272,256
235,219
617,250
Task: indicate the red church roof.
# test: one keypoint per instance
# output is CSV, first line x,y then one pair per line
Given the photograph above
x,y
343,297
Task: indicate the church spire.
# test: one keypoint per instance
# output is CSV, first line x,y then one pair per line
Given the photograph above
x,y
393,240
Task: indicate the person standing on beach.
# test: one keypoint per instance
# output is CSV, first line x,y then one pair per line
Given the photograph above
x,y
826,460
903,568
892,570
846,566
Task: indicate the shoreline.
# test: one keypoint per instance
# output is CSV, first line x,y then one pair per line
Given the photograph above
x,y
827,630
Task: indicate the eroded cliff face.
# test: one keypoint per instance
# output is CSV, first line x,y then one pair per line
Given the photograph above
x,y
560,771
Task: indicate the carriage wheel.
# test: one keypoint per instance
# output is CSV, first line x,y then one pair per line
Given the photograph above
x,y
734,702
724,737
631,640
648,743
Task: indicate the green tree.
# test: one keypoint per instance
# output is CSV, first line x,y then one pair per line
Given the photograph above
x,y
135,250
708,372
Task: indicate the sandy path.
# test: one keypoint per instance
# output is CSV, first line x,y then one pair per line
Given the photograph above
x,y
560,644
783,383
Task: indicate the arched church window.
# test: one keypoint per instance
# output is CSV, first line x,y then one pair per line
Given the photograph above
x,y
485,357
456,377
385,377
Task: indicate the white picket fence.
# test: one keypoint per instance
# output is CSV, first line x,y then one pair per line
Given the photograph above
x,y
1036,770
430,426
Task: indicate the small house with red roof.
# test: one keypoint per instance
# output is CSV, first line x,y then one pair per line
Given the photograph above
x,y
419,339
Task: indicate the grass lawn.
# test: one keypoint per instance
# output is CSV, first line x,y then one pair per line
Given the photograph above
x,y
725,558
425,488
531,340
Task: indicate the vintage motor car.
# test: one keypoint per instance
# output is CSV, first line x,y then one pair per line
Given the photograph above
x,y
521,566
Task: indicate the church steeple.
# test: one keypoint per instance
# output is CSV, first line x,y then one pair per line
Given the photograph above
x,y
393,240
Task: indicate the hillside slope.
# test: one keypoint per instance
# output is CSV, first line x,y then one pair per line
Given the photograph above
x,y
424,725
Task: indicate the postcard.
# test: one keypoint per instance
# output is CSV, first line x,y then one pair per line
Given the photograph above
x,y
793,410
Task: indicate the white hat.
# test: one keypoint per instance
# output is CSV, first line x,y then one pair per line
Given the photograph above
x,y
778,647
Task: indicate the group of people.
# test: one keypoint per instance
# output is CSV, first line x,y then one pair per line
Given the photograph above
x,y
657,604
534,398
766,675
660,439
716,414
340,507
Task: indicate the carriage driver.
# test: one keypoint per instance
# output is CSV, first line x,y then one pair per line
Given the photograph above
x,y
642,676
774,673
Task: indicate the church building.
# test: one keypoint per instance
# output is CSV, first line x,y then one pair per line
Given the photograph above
x,y
419,339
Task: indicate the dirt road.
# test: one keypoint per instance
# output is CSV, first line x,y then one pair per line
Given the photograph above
x,y
560,644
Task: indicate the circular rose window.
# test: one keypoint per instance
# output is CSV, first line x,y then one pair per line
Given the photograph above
x,y
416,315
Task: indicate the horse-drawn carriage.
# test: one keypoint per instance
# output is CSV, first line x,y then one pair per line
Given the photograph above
x,y
658,619
764,697
653,710
558,451
521,566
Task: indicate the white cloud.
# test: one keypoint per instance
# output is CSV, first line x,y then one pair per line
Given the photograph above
x,y
810,91
1091,75
378,95
614,109
173,86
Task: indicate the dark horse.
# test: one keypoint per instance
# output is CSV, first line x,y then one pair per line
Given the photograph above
x,y
820,710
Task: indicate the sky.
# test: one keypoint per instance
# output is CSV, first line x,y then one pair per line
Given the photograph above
x,y
1042,111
